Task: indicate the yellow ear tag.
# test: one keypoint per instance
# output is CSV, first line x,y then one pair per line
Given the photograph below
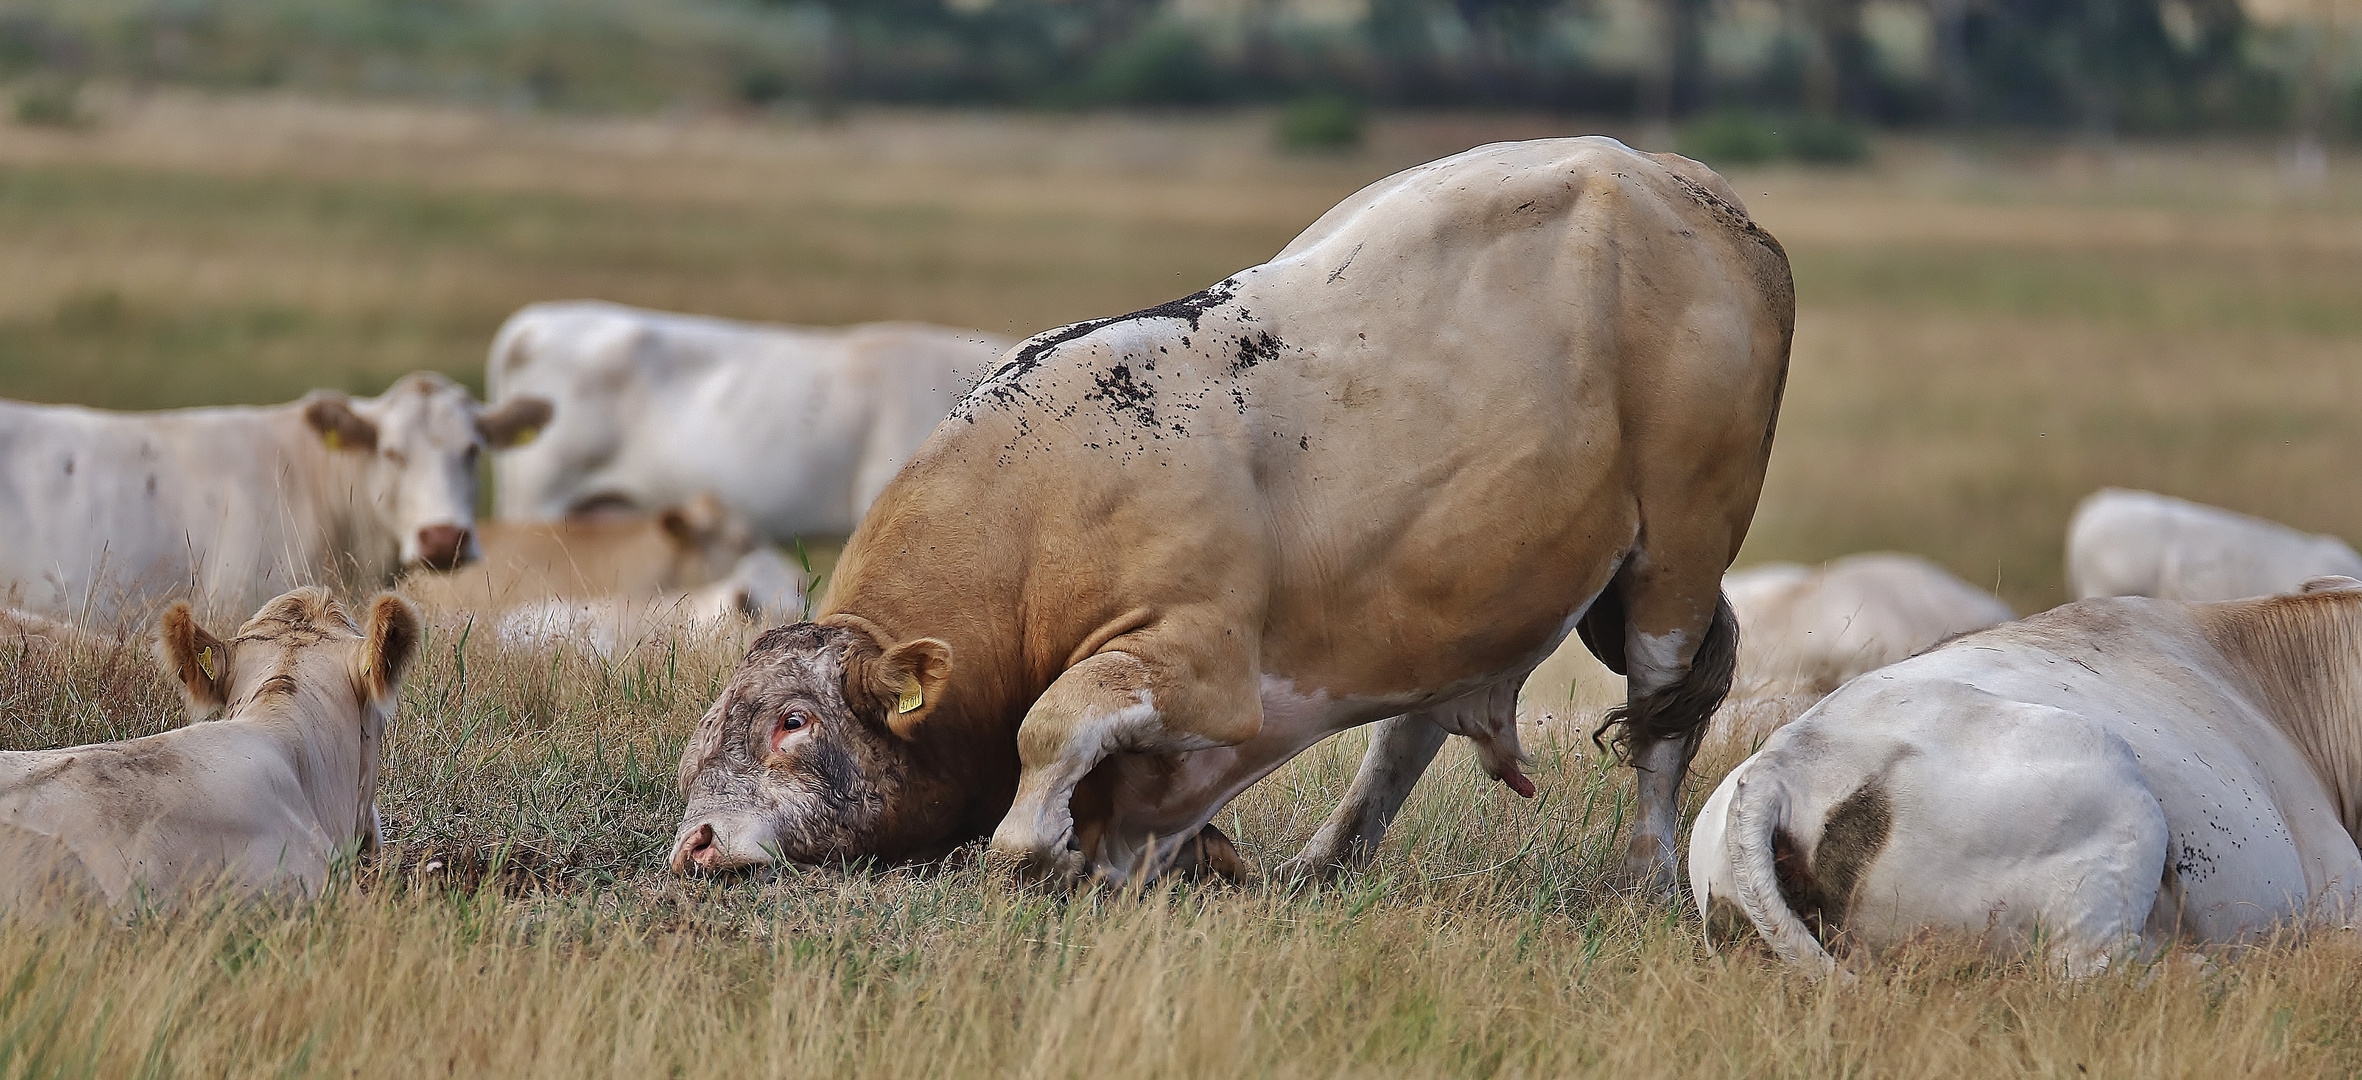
x,y
526,436
205,661
911,698
334,439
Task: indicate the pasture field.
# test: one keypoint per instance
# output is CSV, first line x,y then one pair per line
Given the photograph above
x,y
1986,334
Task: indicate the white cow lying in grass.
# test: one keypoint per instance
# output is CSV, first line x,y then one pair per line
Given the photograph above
x,y
107,513
680,547
2136,543
763,590
2108,779
259,802
1804,631
1809,629
797,428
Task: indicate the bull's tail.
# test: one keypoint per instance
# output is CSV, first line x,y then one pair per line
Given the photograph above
x,y
1757,811
1680,711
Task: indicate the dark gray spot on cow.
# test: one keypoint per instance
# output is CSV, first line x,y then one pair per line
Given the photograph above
x,y
1252,350
1340,270
1819,884
1125,396
1003,387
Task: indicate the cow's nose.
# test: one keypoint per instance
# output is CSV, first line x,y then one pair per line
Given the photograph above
x,y
697,851
442,547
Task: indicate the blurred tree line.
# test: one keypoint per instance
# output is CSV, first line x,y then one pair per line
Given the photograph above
x,y
2099,65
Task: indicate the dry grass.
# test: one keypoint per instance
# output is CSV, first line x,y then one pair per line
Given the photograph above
x,y
1985,337
524,926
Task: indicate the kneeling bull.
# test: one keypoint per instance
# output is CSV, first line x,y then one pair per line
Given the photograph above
x,y
1484,403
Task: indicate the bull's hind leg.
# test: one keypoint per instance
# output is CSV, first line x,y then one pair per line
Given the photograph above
x,y
1399,753
1155,693
1667,629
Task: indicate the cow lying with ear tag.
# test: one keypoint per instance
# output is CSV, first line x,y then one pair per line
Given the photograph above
x,y
258,803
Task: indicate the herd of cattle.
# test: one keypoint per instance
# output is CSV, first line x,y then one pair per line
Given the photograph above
x,y
1100,581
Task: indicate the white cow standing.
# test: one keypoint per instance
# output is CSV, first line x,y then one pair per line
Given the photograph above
x,y
2137,543
258,803
2108,778
795,428
103,514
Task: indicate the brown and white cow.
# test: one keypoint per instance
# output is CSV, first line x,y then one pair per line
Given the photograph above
x,y
696,543
1480,405
260,802
107,513
2107,779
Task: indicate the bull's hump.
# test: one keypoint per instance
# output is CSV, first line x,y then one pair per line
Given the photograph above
x,y
1122,387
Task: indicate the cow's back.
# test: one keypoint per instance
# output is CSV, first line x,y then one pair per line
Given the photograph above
x,y
2137,543
2252,823
787,424
109,513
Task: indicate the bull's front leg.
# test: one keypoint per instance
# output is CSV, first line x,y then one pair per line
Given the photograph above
x,y
1118,701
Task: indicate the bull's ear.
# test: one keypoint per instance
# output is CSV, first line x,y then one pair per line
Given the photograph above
x,y
907,678
912,676
392,643
516,422
332,416
195,659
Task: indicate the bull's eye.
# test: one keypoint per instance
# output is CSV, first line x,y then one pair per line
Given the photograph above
x,y
790,722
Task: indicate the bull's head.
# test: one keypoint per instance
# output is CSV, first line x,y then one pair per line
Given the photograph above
x,y
808,755
422,439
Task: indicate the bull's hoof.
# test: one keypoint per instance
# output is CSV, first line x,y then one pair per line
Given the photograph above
x,y
1060,866
1309,870
1649,876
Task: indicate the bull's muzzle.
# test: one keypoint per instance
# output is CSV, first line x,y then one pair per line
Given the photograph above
x,y
695,852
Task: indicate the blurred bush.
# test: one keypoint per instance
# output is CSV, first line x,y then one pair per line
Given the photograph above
x,y
1728,137
1319,122
50,101
1162,64
2095,65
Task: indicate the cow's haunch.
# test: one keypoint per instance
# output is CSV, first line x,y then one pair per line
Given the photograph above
x,y
1151,558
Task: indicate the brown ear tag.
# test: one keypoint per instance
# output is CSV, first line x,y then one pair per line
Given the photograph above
x,y
911,697
205,661
334,439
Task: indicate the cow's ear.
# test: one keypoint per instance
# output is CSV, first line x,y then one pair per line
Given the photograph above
x,y
332,416
392,643
692,524
516,422
2330,583
195,659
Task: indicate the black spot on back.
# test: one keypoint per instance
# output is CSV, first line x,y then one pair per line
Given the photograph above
x,y
1252,350
1001,388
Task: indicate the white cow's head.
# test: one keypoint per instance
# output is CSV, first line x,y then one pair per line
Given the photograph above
x,y
422,439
